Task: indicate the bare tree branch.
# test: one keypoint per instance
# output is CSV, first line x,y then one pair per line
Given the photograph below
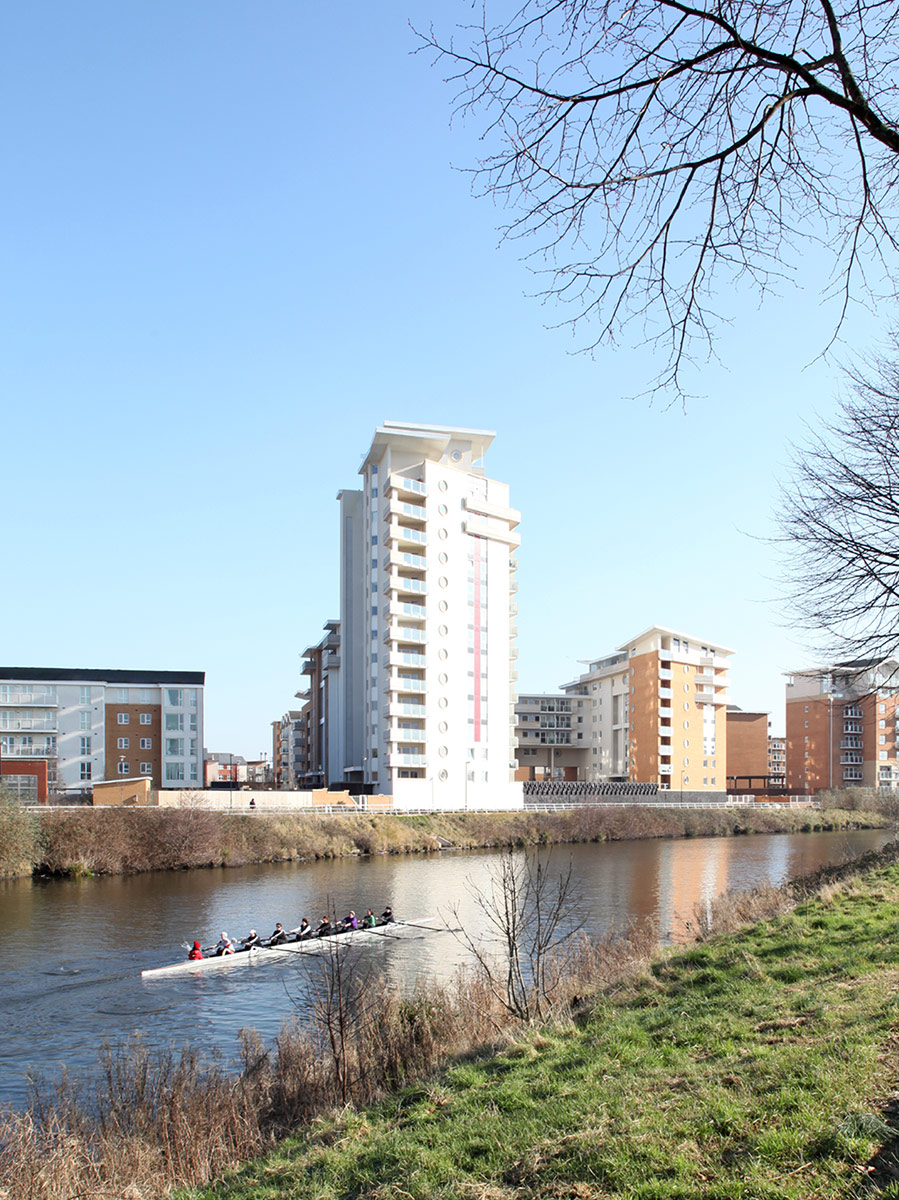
x,y
657,152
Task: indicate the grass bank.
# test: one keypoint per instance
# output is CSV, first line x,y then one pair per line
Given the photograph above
x,y
128,841
758,1064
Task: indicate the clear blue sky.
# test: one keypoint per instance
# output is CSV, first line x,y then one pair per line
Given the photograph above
x,y
236,238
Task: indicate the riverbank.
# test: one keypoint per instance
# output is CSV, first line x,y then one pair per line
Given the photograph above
x,y
129,841
757,1064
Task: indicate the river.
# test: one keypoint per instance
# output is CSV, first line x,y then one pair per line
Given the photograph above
x,y
72,950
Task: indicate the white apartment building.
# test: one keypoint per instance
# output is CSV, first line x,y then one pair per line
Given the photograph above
x,y
550,730
96,725
655,712
427,621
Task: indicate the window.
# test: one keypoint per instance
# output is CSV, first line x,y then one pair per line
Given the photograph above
x,y
173,697
193,722
174,747
146,719
122,695
124,743
174,772
84,720
174,722
85,745
124,769
145,696
85,695
192,697
85,770
123,719
146,768
146,743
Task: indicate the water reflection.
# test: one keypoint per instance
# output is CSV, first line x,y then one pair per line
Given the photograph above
x,y
73,950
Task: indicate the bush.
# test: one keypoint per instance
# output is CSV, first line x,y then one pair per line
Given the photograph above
x,y
19,836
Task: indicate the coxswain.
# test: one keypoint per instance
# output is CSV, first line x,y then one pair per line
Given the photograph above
x,y
303,930
278,935
350,921
324,928
252,940
369,920
387,916
224,945
195,952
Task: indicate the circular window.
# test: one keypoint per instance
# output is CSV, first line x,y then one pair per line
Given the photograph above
x,y
686,762
443,485
441,508
686,779
686,724
443,752
442,655
442,630
442,534
686,706
443,606
442,776
441,678
686,743
442,556
686,687
443,581
456,456
443,726
443,701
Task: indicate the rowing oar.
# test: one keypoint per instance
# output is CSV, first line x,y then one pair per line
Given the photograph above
x,y
431,928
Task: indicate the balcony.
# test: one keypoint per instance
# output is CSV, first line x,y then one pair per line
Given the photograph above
x,y
852,775
406,735
407,760
665,673
28,752
513,631
513,652
398,709
513,585
666,693
405,633
28,724
705,696
397,683
402,508
402,558
403,584
666,713
852,727
38,698
403,535
705,678
852,743
706,660
855,760
412,612
665,768
852,710
399,483
406,658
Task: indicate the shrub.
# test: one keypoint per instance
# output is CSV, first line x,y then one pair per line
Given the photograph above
x,y
19,836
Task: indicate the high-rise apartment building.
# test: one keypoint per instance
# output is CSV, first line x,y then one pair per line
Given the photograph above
x,y
841,727
427,680
96,725
654,712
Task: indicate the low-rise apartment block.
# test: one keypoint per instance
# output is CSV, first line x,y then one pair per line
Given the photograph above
x,y
777,762
841,727
94,725
549,729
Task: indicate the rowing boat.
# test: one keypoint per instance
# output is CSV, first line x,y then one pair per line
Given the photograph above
x,y
263,954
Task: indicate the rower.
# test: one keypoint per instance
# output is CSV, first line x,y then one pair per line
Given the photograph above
x,y
196,952
278,936
303,930
324,929
224,945
253,940
350,921
387,916
369,920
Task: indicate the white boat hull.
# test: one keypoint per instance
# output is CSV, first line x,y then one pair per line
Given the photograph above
x,y
263,954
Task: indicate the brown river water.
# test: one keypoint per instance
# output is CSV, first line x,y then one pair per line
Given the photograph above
x,y
72,950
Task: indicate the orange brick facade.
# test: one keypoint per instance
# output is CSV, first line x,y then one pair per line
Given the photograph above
x,y
747,744
133,732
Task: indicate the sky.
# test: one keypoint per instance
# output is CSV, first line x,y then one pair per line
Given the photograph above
x,y
236,239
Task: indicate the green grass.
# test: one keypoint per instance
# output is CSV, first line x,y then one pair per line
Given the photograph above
x,y
754,1066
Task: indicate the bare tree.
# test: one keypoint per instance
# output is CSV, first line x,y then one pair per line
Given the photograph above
x,y
839,520
661,151
532,915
